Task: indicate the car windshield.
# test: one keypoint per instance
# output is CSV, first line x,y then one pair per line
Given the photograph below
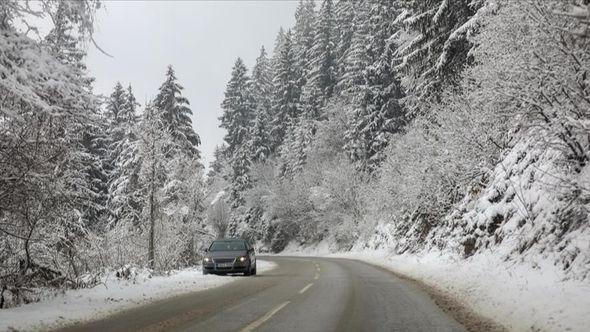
x,y
227,246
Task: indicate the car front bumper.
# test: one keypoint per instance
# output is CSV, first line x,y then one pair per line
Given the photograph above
x,y
215,268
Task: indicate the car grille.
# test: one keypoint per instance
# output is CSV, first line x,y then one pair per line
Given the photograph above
x,y
223,260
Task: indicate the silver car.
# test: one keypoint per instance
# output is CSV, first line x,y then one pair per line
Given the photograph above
x,y
230,256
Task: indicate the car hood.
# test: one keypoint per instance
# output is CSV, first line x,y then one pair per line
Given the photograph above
x,y
226,254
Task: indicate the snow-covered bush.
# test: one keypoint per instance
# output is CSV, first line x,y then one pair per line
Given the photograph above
x,y
500,164
218,215
83,190
535,204
47,116
431,166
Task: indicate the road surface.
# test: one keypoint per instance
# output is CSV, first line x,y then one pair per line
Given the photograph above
x,y
301,294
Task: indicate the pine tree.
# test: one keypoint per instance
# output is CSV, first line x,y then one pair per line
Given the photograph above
x,y
129,112
439,49
115,132
275,59
121,110
124,203
62,44
262,81
239,176
347,22
261,92
238,108
238,114
356,58
286,93
293,154
219,160
177,116
260,139
321,79
377,109
303,37
115,104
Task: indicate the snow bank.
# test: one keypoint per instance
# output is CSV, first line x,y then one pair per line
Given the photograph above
x,y
516,249
110,297
514,295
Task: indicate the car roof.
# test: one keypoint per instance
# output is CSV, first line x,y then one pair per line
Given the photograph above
x,y
229,239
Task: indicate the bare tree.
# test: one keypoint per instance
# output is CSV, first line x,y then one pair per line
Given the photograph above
x,y
218,217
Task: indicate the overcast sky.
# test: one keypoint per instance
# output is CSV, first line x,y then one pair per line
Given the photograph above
x,y
200,39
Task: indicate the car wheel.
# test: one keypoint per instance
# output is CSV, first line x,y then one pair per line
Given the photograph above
x,y
248,271
205,272
254,271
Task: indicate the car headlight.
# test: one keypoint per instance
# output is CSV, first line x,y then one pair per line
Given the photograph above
x,y
206,259
242,259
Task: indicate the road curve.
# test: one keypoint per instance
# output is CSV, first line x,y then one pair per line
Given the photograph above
x,y
301,294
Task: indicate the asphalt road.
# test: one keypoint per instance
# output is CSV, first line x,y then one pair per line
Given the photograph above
x,y
302,294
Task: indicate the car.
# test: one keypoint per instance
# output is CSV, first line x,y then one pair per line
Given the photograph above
x,y
226,256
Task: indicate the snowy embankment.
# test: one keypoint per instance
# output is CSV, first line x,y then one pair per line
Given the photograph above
x,y
111,296
516,296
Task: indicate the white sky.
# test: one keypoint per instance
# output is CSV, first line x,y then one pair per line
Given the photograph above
x,y
200,39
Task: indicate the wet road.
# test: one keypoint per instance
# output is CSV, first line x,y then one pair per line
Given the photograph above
x,y
301,294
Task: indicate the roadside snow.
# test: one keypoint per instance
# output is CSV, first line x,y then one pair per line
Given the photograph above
x,y
519,297
110,297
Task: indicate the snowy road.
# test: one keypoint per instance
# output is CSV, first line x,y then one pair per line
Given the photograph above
x,y
301,294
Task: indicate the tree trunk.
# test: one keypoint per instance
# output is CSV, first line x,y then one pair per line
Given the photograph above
x,y
151,248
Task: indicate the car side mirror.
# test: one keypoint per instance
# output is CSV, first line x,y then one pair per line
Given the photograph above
x,y
207,250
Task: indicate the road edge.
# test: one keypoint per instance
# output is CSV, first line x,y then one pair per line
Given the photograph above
x,y
461,312
59,321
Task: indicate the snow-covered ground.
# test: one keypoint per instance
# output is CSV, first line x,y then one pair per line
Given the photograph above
x,y
517,296
112,296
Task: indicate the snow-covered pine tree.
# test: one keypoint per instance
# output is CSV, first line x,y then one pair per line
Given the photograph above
x,y
293,154
262,80
238,115
355,59
115,104
124,202
260,137
321,80
438,47
219,160
65,47
274,59
115,134
378,112
238,108
177,116
286,93
303,37
347,22
261,93
61,41
129,113
239,177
